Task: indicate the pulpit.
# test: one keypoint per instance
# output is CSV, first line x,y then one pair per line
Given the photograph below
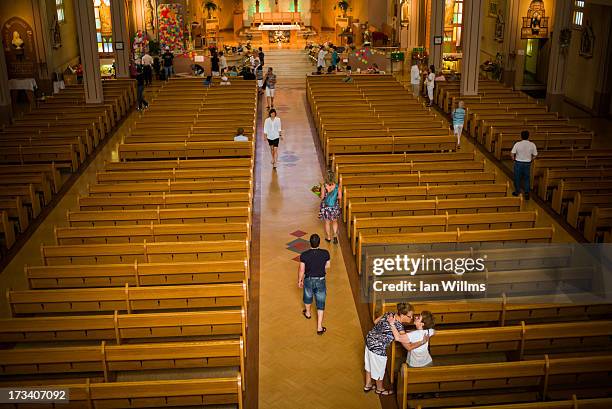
x,y
341,24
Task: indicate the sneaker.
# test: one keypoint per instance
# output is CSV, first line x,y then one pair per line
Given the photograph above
x,y
526,196
515,193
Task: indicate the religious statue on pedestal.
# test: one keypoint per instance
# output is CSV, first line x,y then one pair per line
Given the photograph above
x,y
17,44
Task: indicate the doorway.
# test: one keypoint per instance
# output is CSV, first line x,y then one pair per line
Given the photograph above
x,y
536,62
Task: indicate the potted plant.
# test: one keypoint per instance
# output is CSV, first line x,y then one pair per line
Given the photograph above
x,y
344,6
210,6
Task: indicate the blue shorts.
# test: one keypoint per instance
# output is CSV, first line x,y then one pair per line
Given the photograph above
x,y
315,286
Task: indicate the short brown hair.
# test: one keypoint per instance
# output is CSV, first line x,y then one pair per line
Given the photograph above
x,y
403,308
427,319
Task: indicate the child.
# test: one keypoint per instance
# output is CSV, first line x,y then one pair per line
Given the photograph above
x,y
458,120
417,342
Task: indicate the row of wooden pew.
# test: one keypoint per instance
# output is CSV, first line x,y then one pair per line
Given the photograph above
x,y
41,147
149,276
570,173
453,204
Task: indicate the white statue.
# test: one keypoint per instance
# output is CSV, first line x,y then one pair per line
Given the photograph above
x,y
17,41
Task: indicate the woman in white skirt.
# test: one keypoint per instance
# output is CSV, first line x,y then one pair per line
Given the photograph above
x,y
377,341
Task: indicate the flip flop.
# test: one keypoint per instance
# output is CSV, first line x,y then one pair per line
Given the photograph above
x,y
384,392
323,331
304,314
367,388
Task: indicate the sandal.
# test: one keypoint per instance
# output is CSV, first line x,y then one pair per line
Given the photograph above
x,y
368,388
323,331
384,392
307,316
328,240
335,240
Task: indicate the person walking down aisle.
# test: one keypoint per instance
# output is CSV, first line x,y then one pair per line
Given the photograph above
x,y
311,278
458,121
147,64
168,58
140,83
273,132
523,152
415,78
321,57
377,341
329,210
430,82
270,85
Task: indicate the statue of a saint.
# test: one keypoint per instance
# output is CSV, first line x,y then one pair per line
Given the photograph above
x,y
17,41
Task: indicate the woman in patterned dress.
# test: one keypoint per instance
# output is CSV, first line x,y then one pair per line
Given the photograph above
x,y
330,211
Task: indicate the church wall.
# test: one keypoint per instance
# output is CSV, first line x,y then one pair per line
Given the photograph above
x,y
489,46
68,53
582,73
328,14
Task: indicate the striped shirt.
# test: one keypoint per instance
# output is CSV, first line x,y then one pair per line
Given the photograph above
x,y
458,116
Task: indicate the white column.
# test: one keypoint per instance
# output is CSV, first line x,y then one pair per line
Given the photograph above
x,y
513,22
120,35
436,30
472,32
5,94
555,88
88,46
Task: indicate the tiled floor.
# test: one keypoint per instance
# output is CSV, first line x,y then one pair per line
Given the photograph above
x,y
298,368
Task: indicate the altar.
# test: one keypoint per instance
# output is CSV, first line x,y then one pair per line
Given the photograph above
x,y
280,33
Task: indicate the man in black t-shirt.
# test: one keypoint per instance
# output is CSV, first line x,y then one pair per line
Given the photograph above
x,y
311,277
261,56
167,59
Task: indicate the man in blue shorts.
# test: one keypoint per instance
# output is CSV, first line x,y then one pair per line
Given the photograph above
x,y
311,277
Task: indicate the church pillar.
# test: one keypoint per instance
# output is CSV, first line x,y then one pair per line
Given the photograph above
x,y
139,14
436,30
409,33
511,39
472,32
238,20
555,87
88,46
5,95
315,15
120,35
43,45
603,87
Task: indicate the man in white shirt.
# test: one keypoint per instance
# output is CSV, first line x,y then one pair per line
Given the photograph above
x,y
240,137
415,78
273,132
321,57
147,64
523,153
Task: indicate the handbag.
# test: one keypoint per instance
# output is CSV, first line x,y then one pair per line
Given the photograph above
x,y
265,84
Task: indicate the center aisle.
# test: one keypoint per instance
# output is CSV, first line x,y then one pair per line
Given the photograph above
x,y
297,367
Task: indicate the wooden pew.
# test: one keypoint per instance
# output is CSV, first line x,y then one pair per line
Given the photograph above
x,y
481,380
165,201
127,299
16,212
523,339
136,274
574,403
124,327
152,233
185,150
381,226
7,230
109,359
144,252
159,216
599,219
583,204
150,394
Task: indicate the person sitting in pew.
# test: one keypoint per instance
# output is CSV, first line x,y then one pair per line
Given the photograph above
x,y
378,340
523,153
240,137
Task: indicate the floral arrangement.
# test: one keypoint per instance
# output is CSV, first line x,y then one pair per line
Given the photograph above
x,y
363,55
170,27
140,44
316,190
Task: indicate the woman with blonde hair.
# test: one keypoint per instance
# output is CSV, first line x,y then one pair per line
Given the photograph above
x,y
329,210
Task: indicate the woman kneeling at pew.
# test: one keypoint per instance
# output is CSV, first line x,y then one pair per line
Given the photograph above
x,y
378,340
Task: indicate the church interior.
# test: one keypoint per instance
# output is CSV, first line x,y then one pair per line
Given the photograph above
x,y
262,204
